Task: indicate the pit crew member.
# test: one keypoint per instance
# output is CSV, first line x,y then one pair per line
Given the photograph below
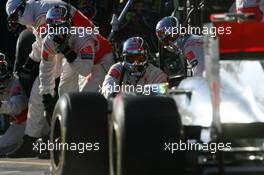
x,y
13,103
33,14
134,69
191,46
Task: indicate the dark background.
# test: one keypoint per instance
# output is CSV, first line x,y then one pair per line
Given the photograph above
x,y
8,39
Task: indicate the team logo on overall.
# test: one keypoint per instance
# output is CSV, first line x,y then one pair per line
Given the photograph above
x,y
45,55
87,53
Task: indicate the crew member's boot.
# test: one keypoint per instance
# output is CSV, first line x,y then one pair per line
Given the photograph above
x,y
46,153
26,150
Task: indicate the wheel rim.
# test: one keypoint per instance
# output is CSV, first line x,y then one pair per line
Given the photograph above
x,y
114,152
56,137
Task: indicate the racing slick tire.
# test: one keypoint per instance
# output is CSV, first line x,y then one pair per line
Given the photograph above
x,y
23,49
80,118
139,128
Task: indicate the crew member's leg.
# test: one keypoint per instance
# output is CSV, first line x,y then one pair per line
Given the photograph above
x,y
36,125
68,79
96,77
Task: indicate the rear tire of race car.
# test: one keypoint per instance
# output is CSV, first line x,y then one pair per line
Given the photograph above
x,y
139,129
80,118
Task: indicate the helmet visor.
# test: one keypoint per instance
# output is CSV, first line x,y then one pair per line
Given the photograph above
x,y
135,58
166,41
17,13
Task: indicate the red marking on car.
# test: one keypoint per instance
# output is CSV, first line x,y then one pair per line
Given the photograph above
x,y
214,94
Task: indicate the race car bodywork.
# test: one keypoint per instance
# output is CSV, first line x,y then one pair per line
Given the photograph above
x,y
227,102
241,81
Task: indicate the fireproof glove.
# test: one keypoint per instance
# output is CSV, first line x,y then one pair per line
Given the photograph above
x,y
49,102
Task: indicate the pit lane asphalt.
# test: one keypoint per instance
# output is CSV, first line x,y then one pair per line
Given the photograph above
x,y
32,166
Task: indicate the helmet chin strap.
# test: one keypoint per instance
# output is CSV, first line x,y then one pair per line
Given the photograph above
x,y
178,44
131,70
138,73
181,41
172,49
59,40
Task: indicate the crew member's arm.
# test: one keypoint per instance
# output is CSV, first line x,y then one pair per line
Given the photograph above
x,y
158,76
195,56
111,82
16,103
84,46
47,68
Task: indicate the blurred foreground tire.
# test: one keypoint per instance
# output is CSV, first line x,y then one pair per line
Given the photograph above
x,y
139,129
80,118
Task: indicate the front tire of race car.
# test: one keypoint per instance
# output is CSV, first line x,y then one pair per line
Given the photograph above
x,y
139,129
80,121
